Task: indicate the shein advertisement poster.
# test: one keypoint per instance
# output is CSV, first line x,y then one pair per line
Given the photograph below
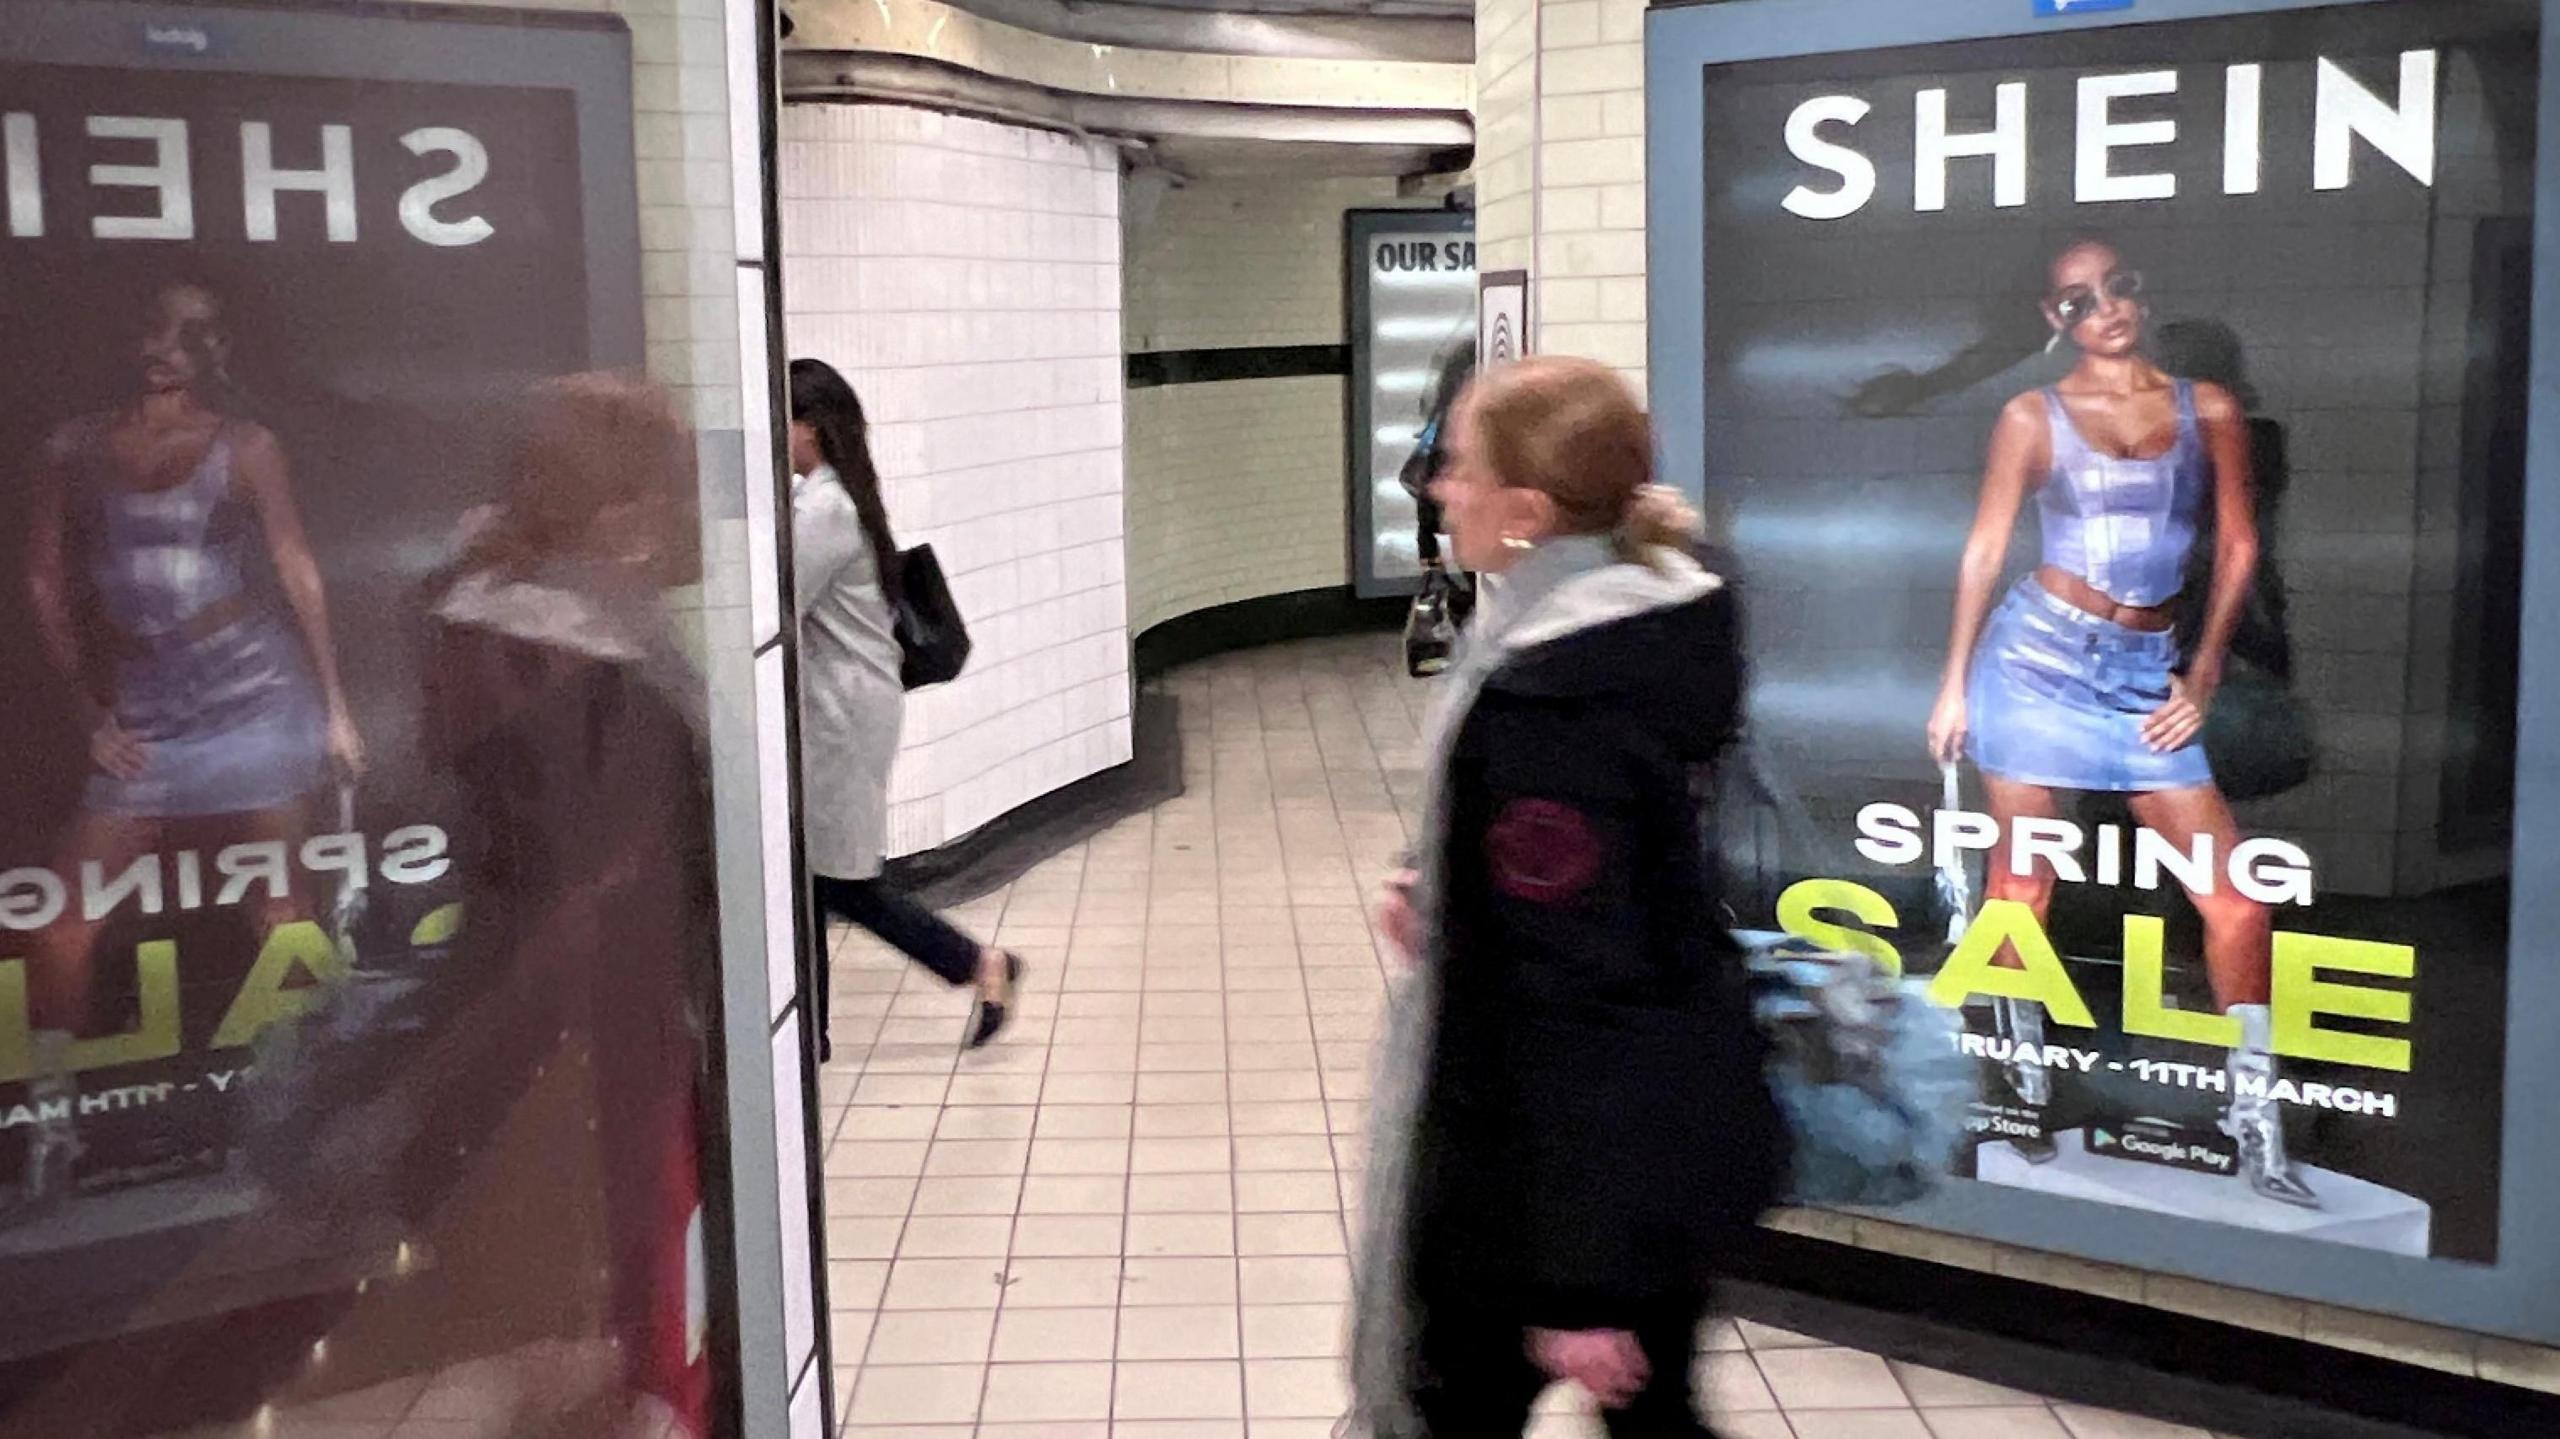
x,y
280,288
1412,282
2122,436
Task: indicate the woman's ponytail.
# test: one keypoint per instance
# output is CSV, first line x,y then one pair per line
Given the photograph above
x,y
1656,518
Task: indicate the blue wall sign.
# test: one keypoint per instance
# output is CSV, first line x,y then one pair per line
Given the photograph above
x,y
2051,8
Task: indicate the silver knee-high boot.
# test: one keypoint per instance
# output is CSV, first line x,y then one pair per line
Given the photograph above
x,y
53,1141
2021,1022
2256,1119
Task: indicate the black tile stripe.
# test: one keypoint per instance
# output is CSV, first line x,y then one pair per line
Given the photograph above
x,y
1152,368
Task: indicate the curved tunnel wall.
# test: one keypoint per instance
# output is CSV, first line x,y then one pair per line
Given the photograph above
x,y
1236,487
965,276
968,275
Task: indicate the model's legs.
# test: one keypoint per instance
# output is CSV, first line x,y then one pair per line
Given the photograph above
x,y
263,910
2239,958
2011,801
2239,932
61,966
2021,1021
62,956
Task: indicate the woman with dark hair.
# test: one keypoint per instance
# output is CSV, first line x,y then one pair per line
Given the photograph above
x,y
2077,681
210,709
1444,602
845,581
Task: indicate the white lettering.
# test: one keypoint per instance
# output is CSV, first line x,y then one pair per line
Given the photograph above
x,y
1956,830
2271,871
32,898
261,181
168,173
99,897
178,37
2100,133
1857,173
2110,854
2005,143
470,167
2052,842
341,853
2403,128
2405,131
2243,128
242,865
2192,868
414,854
1889,834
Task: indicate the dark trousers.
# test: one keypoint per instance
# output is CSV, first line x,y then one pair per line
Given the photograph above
x,y
1483,1383
907,927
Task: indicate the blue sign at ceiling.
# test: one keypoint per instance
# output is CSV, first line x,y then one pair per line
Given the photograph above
x,y
2051,8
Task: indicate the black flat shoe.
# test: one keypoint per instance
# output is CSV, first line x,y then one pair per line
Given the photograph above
x,y
992,1015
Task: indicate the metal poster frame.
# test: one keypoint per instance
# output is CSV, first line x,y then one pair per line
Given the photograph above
x,y
1360,227
2512,1296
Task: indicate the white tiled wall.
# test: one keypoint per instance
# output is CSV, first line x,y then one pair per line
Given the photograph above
x,y
1236,488
1227,263
1235,492
1560,168
965,276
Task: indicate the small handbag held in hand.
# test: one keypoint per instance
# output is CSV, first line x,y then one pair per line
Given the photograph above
x,y
933,641
1431,625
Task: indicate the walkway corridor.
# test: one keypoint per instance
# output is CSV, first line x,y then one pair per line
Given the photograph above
x,y
1127,1221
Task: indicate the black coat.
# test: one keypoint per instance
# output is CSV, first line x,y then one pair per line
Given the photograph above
x,y
1596,1128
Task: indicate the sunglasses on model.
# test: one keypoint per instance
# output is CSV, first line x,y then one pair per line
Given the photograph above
x,y
2079,302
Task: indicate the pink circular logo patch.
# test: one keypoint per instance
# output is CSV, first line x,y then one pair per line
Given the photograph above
x,y
1543,851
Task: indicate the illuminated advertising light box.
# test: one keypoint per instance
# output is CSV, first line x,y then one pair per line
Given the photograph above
x,y
1411,278
2124,417
277,285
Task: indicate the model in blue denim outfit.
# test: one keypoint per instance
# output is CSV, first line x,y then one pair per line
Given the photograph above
x,y
212,713
2075,681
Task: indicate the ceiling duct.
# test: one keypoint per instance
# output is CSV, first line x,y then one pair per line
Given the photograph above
x,y
815,75
1418,39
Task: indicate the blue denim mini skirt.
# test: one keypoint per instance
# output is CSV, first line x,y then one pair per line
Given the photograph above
x,y
2057,698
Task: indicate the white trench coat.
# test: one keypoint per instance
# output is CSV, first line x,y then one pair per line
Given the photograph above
x,y
851,701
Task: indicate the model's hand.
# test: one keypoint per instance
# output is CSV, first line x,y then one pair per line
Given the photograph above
x,y
346,747
1607,1363
113,749
2176,724
1397,918
1947,727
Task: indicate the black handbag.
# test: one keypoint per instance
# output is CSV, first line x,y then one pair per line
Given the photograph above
x,y
2258,735
1431,625
933,641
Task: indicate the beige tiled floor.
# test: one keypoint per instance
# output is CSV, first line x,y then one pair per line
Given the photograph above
x,y
1127,1220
